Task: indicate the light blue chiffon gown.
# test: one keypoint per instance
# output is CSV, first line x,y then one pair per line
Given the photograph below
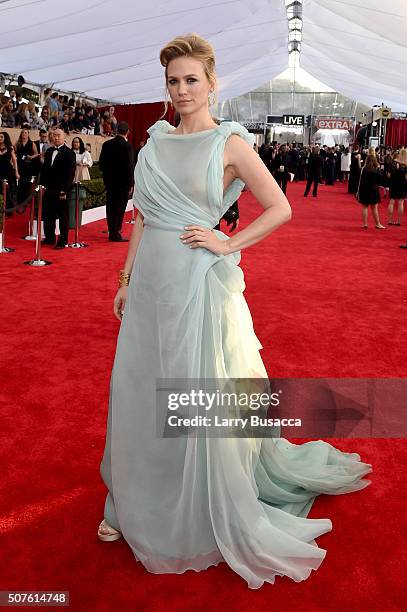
x,y
192,502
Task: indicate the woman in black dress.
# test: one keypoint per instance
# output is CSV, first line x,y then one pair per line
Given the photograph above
x,y
281,164
398,186
355,165
368,192
387,166
27,165
330,167
314,171
8,168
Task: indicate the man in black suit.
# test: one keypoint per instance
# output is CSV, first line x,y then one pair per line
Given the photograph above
x,y
117,164
294,158
137,151
231,217
57,175
281,164
42,145
314,170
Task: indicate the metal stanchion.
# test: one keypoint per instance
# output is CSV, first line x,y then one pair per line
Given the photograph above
x,y
4,249
31,235
133,217
38,261
77,244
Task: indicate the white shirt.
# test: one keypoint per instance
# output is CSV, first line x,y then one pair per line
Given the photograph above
x,y
42,144
55,153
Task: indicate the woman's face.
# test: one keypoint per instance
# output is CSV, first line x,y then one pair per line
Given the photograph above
x,y
24,134
187,85
75,144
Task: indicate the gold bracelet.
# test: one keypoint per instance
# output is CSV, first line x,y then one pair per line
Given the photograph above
x,y
124,278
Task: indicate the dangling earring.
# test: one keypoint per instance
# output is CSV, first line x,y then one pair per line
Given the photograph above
x,y
167,98
211,98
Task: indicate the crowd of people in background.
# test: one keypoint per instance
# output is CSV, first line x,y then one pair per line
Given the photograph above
x,y
297,162
379,173
23,160
50,162
371,173
58,110
312,163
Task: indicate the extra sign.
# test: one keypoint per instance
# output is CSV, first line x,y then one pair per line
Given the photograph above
x,y
334,124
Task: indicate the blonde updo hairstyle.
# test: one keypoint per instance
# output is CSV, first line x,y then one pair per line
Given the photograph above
x,y
190,45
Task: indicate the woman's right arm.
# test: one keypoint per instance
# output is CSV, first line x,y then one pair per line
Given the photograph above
x,y
121,295
134,242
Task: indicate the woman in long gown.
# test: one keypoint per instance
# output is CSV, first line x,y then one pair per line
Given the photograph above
x,y
195,501
355,167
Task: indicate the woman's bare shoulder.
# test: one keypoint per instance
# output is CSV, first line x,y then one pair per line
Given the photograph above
x,y
236,148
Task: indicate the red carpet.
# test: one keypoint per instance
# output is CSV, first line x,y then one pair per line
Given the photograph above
x,y
327,299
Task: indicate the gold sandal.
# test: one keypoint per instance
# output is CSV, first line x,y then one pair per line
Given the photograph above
x,y
112,534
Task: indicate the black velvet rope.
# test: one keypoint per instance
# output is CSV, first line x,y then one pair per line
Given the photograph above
x,y
21,206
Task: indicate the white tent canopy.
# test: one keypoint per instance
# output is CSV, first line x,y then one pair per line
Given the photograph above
x,y
358,47
109,49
